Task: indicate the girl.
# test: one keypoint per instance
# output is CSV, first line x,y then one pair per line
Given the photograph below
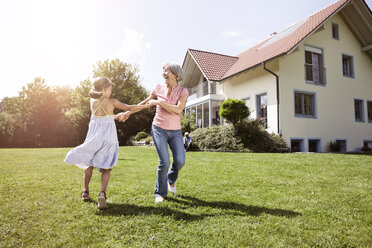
x,y
100,148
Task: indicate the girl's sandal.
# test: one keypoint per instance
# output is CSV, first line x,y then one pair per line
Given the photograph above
x,y
85,195
102,204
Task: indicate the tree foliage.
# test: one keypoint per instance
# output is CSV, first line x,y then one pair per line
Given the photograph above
x,y
126,89
44,116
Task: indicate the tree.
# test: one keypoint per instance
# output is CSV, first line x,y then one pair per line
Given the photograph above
x,y
43,116
34,118
79,112
235,111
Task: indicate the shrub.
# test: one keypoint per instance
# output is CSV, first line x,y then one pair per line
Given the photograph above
x,y
220,138
257,139
141,135
333,146
235,111
366,149
188,123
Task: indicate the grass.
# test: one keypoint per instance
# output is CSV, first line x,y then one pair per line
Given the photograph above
x,y
224,200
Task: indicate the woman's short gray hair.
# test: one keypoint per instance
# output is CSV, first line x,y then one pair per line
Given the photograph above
x,y
176,69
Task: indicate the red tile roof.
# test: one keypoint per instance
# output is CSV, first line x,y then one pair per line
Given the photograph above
x,y
213,65
217,67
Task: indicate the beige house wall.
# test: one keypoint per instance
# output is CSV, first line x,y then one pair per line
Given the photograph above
x,y
251,83
334,101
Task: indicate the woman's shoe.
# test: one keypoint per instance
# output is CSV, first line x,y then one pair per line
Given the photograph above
x,y
172,189
159,199
102,204
85,195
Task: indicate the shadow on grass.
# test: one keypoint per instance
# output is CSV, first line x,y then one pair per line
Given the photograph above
x,y
237,208
231,208
134,210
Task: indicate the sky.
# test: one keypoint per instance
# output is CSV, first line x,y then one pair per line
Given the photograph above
x,y
61,40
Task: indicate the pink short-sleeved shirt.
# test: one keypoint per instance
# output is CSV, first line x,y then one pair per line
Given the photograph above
x,y
163,118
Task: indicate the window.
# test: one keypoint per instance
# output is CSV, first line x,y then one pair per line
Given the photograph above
x,y
335,34
261,105
199,115
297,145
314,69
369,111
304,104
367,143
358,106
247,101
342,144
206,114
347,66
314,145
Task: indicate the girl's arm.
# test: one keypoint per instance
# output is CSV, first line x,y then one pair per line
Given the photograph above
x,y
123,106
124,116
175,109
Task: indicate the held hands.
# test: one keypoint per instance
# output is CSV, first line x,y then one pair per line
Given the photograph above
x,y
153,102
122,117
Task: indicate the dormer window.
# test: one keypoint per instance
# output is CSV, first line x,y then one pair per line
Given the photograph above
x,y
335,34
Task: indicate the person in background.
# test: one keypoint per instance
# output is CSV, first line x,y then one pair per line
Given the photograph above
x,y
187,142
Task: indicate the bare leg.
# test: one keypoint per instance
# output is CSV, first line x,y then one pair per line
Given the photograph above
x,y
105,177
102,195
87,176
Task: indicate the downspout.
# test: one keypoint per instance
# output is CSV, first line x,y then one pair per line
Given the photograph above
x,y
277,91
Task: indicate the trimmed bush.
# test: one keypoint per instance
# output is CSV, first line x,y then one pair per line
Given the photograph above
x,y
219,138
235,111
141,135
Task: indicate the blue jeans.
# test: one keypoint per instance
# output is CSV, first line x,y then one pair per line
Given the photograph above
x,y
161,139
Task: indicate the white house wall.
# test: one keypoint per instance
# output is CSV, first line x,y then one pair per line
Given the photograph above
x,y
334,101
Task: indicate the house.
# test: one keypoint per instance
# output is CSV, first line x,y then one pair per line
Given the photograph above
x,y
311,82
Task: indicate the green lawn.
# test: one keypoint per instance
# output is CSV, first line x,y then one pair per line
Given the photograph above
x,y
224,200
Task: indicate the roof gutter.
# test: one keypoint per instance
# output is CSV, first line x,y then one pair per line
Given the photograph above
x,y
277,92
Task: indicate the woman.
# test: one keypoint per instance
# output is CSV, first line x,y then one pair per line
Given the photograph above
x,y
170,100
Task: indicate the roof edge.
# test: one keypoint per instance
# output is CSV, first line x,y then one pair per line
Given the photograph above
x,y
265,61
196,50
317,27
200,68
196,62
